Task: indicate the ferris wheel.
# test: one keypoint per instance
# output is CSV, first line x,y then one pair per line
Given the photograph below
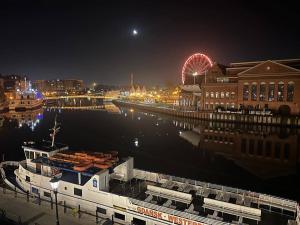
x,y
195,65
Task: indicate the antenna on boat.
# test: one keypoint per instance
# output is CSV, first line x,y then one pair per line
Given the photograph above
x,y
54,130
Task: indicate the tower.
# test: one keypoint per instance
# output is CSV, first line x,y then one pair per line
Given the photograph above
x,y
131,79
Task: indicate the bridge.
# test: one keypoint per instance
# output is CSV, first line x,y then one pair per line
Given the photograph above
x,y
80,96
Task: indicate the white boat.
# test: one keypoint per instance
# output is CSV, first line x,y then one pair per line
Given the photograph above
x,y
27,99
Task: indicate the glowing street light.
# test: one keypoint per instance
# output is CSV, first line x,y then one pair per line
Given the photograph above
x,y
54,182
194,75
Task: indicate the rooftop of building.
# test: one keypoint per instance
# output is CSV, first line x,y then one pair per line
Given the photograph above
x,y
289,62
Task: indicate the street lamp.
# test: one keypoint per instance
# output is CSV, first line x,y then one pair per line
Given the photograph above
x,y
194,75
54,182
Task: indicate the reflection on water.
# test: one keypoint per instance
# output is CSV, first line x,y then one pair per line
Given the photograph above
x,y
258,158
264,151
82,104
30,118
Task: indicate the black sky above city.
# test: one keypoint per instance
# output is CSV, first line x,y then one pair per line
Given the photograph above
x,y
92,40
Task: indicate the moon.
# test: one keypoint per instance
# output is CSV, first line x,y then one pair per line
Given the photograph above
x,y
135,32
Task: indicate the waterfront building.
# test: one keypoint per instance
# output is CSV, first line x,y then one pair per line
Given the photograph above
x,y
59,86
259,85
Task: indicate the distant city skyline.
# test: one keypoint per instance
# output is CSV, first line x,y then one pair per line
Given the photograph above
x,y
106,42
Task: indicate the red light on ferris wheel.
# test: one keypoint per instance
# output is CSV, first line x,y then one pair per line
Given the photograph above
x,y
196,64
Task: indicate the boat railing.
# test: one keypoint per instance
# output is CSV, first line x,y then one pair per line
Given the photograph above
x,y
25,166
257,197
3,174
175,212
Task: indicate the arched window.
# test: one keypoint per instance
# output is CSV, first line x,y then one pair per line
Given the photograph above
x,y
232,95
271,91
290,91
254,91
262,91
280,87
246,91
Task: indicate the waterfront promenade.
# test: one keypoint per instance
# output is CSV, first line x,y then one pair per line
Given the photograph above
x,y
17,208
259,119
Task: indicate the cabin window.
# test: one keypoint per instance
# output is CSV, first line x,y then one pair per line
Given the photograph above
x,y
34,190
77,192
44,155
31,155
27,178
27,154
101,210
95,183
37,155
136,221
119,216
47,194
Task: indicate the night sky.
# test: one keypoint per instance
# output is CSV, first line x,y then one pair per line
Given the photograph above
x,y
93,41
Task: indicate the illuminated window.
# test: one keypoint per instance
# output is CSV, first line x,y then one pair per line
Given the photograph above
x,y
280,94
232,95
217,94
253,91
246,91
212,95
222,94
227,94
207,94
262,91
271,91
290,91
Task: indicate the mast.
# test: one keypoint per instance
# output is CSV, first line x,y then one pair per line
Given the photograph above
x,y
54,130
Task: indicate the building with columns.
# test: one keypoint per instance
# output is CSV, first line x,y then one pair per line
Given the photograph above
x,y
260,85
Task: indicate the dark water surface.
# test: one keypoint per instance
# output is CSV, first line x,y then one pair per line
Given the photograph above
x,y
262,159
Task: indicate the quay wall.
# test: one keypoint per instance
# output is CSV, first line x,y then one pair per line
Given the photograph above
x,y
274,120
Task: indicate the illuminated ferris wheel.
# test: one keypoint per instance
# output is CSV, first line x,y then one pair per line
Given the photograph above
x,y
195,65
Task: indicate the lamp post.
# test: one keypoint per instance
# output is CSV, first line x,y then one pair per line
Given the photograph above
x,y
54,182
194,75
